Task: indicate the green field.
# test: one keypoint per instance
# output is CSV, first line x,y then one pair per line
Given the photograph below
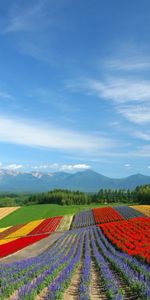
x,y
34,212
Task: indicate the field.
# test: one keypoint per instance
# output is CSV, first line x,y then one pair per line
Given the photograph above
x,y
42,211
5,211
103,254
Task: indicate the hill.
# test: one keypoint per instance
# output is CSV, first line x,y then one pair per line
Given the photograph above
x,y
86,181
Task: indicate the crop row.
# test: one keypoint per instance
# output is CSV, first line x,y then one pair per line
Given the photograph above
x,y
128,212
131,236
145,209
26,235
106,214
83,219
51,272
5,211
65,223
21,231
47,226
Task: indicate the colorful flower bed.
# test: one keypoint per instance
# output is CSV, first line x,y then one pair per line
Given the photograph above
x,y
83,219
47,226
131,236
144,209
5,211
4,229
18,244
65,223
20,236
128,212
22,231
51,272
106,214
10,230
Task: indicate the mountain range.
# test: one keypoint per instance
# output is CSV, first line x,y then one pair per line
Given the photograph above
x,y
86,181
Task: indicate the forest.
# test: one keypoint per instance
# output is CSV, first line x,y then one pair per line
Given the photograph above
x,y
140,195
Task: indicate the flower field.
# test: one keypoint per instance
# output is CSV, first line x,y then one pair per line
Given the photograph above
x,y
50,274
144,209
83,219
131,236
110,260
18,244
128,212
5,211
106,214
65,223
4,229
20,236
46,226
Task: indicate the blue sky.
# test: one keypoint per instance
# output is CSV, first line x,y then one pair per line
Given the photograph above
x,y
75,86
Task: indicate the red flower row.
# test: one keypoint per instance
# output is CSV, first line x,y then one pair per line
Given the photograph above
x,y
106,214
47,226
41,231
14,246
131,236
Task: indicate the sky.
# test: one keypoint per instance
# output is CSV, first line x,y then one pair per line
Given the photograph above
x,y
75,86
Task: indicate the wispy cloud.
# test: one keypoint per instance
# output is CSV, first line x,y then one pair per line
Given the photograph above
x,y
6,95
25,18
131,97
141,135
128,62
13,167
139,114
25,132
121,90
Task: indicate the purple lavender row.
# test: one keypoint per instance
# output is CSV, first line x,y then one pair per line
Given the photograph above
x,y
29,290
84,288
128,212
12,278
58,286
138,284
83,219
113,290
139,266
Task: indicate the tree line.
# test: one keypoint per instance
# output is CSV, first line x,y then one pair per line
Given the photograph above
x,y
66,197
140,195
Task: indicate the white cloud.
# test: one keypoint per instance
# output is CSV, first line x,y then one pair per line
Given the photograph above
x,y
59,167
131,97
75,167
142,135
128,63
41,167
13,167
127,165
135,113
121,90
148,167
25,132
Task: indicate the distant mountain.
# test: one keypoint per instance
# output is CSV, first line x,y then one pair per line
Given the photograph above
x,y
87,181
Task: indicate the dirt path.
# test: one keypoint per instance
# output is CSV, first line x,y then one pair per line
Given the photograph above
x,y
33,250
96,286
42,295
122,284
72,292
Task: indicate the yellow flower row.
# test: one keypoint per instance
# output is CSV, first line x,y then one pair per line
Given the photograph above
x,y
4,211
145,209
23,231
4,228
65,223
